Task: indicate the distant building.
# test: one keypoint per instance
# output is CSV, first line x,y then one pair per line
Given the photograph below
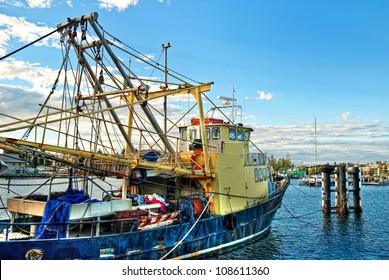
x,y
366,171
377,169
15,164
374,170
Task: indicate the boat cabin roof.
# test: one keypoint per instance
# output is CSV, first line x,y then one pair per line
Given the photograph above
x,y
215,122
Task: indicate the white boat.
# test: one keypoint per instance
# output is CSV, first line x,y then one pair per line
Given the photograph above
x,y
313,180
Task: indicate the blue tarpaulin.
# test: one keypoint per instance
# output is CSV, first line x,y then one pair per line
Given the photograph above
x,y
58,211
55,212
75,197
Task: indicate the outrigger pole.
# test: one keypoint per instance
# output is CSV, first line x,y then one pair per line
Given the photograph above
x,y
138,97
91,18
8,144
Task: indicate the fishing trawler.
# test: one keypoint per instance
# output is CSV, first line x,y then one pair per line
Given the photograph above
x,y
192,183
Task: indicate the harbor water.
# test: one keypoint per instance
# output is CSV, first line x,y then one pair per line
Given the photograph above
x,y
300,231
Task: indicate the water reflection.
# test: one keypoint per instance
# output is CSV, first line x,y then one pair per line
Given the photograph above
x,y
343,236
267,248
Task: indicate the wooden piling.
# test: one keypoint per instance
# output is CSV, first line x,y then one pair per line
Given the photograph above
x,y
357,205
342,205
341,185
326,188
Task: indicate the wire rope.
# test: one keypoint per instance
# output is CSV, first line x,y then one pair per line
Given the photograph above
x,y
146,58
29,44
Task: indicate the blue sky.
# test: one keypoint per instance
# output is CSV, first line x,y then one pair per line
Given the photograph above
x,y
289,61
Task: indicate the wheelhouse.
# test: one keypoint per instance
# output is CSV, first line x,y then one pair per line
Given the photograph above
x,y
219,138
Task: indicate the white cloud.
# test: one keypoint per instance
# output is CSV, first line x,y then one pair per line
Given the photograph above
x,y
10,101
69,3
120,5
262,95
336,142
146,57
41,4
37,77
165,1
21,30
346,115
17,4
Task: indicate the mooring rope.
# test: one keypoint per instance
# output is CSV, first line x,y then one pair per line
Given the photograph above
x,y
190,230
292,216
298,189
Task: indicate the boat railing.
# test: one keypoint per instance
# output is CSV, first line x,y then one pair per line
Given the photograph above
x,y
13,231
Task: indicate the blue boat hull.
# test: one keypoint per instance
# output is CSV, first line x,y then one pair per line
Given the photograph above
x,y
209,236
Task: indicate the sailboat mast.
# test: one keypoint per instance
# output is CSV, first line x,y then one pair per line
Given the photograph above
x,y
315,148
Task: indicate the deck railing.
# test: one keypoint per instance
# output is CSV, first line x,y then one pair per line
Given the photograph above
x,y
72,229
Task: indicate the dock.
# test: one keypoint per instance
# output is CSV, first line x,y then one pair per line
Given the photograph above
x,y
342,190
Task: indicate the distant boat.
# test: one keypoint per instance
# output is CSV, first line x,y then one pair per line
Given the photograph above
x,y
381,181
196,188
314,179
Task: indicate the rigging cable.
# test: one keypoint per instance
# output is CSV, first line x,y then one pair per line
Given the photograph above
x,y
53,88
29,44
145,56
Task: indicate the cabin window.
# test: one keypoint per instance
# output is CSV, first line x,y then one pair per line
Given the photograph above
x,y
184,134
192,134
247,135
207,133
265,174
261,174
240,135
256,175
232,134
215,133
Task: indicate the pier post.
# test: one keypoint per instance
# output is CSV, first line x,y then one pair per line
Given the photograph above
x,y
341,191
357,205
326,189
342,204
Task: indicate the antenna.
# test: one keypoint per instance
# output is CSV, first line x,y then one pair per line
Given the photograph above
x,y
233,113
230,102
165,47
